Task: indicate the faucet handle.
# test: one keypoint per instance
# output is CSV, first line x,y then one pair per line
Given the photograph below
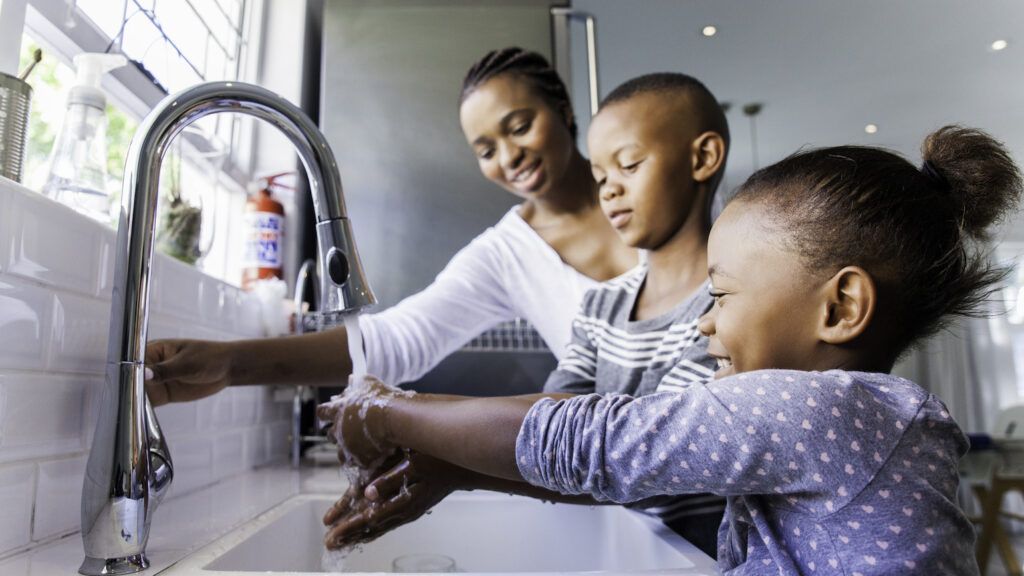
x,y
343,284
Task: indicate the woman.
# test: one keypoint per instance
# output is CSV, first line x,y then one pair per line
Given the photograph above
x,y
535,263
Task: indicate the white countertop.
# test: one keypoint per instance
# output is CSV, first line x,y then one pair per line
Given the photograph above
x,y
185,523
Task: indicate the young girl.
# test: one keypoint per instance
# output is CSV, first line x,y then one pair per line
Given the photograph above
x,y
825,268
535,263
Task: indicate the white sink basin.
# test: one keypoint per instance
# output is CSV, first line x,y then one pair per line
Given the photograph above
x,y
485,533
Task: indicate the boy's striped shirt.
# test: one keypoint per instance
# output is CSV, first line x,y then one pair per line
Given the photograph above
x,y
609,353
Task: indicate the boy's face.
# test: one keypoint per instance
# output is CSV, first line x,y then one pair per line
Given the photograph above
x,y
641,157
766,302
520,142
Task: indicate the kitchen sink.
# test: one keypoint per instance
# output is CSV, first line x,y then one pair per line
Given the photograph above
x,y
484,532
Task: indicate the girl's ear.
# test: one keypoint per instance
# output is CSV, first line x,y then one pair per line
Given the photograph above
x,y
708,156
850,300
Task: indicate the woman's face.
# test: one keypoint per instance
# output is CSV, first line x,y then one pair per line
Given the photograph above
x,y
520,142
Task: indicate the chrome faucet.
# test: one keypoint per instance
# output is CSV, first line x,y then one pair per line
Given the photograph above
x,y
129,467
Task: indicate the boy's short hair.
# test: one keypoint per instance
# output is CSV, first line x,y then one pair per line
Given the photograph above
x,y
705,107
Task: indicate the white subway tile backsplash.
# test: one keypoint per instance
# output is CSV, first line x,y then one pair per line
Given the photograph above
x,y
193,461
26,310
277,440
179,418
163,327
56,277
58,497
247,320
215,411
179,287
211,303
228,454
17,484
6,228
230,307
255,447
244,410
44,415
80,331
69,259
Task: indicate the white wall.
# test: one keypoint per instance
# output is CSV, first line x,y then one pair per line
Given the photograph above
x,y
56,270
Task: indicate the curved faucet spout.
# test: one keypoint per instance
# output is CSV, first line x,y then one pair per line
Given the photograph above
x,y
129,467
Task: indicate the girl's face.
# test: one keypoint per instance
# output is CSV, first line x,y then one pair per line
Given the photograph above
x,y
641,160
520,142
767,304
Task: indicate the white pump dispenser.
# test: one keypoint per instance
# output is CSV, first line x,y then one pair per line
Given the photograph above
x,y
78,163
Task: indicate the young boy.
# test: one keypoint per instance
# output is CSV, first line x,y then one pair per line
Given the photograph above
x,y
658,147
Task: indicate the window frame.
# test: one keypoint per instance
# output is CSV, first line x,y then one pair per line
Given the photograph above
x,y
135,93
131,89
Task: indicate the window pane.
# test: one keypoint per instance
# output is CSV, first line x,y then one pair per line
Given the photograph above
x,y
51,80
206,32
107,14
216,65
183,27
220,27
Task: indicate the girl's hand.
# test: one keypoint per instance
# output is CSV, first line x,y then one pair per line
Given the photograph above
x,y
398,496
358,418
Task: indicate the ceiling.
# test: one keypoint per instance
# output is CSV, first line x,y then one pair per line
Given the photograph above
x,y
824,69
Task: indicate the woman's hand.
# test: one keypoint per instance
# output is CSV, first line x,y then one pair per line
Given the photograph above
x,y
358,421
186,370
393,498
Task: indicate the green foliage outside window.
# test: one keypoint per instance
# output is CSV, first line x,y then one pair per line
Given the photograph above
x,y
51,80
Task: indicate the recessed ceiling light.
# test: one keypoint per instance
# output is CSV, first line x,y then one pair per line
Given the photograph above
x,y
709,31
871,128
1000,45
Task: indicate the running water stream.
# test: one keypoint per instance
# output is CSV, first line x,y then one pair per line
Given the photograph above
x,y
362,393
355,345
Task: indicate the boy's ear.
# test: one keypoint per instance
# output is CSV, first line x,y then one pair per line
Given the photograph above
x,y
849,305
708,155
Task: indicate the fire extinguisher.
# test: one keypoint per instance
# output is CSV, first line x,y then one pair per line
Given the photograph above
x,y
264,232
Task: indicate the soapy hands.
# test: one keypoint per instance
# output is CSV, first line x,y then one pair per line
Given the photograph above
x,y
397,495
185,370
359,423
391,486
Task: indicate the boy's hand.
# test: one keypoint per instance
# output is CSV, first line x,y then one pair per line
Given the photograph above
x,y
396,497
185,370
358,424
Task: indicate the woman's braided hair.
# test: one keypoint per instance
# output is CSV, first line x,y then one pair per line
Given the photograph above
x,y
529,66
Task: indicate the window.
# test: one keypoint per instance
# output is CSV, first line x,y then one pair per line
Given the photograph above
x,y
171,44
181,42
51,80
1011,255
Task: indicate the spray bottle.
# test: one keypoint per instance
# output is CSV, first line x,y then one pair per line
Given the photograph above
x,y
78,163
264,233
